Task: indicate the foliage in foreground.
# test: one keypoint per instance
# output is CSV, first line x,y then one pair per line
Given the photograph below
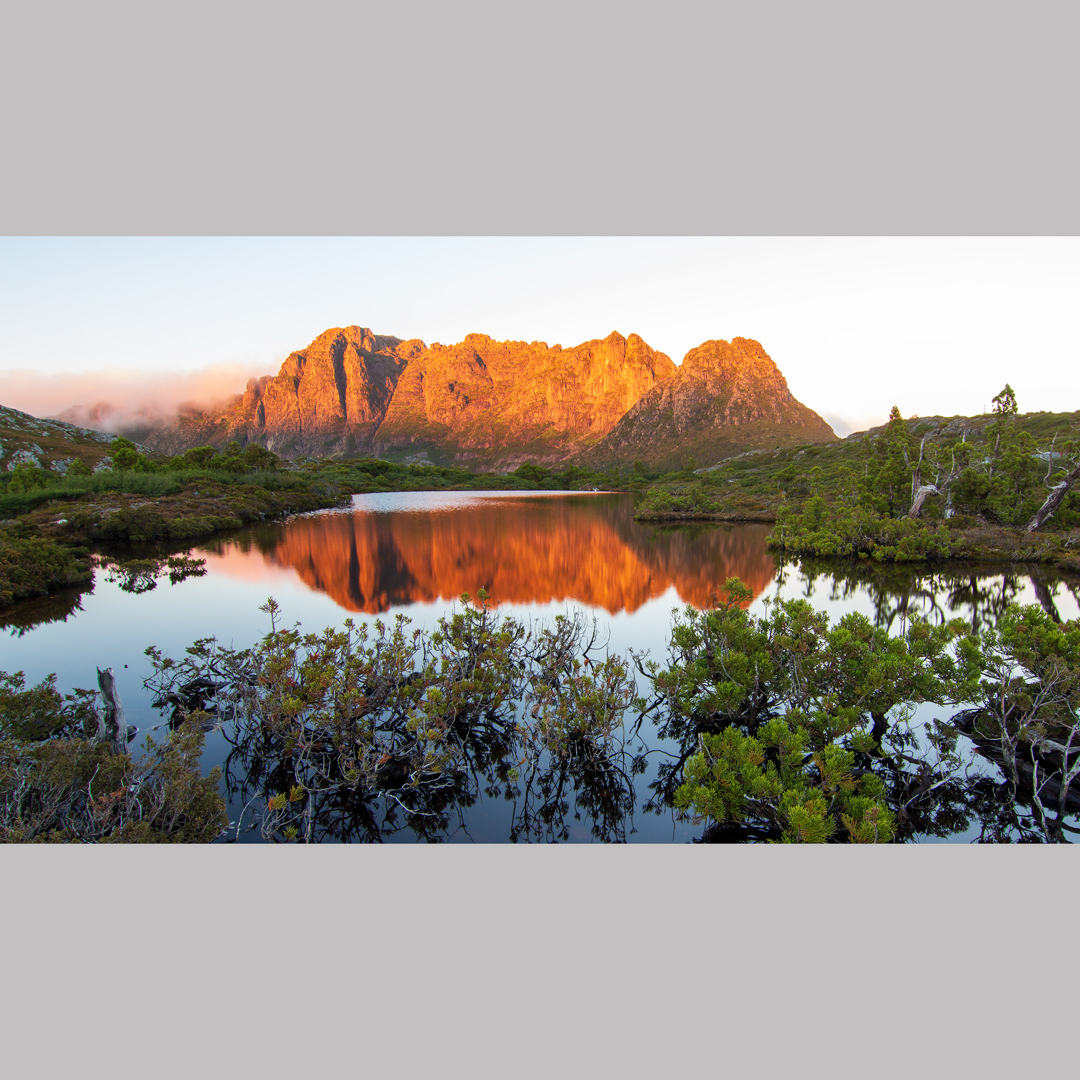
x,y
324,725
59,783
795,729
786,727
783,719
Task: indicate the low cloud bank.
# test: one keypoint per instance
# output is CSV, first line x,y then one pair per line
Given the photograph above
x,y
111,400
846,425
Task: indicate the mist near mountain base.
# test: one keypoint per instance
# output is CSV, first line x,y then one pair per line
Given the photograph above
x,y
121,399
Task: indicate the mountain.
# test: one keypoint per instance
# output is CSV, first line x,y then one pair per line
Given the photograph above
x,y
725,398
497,404
327,399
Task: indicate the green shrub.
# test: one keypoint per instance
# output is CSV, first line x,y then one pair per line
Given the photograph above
x,y
57,783
27,477
34,566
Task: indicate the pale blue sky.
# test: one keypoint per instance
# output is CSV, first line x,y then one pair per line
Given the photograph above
x,y
855,324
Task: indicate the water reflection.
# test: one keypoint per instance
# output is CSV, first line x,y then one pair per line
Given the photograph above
x,y
977,592
19,619
387,553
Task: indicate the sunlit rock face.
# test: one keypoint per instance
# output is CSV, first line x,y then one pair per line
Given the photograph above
x,y
496,404
480,402
499,403
725,398
520,553
332,396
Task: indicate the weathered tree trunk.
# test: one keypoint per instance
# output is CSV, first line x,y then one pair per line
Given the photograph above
x,y
1053,500
114,727
1043,595
881,725
920,498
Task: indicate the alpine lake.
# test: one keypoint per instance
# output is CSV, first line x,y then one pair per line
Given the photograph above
x,y
537,555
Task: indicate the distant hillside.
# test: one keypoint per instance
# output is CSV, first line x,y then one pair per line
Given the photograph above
x,y
51,444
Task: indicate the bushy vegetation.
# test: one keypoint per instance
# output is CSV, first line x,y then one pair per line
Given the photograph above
x,y
52,518
132,473
837,529
61,783
362,475
34,565
787,727
795,729
324,726
659,502
785,722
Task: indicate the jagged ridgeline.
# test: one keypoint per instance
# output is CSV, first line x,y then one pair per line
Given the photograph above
x,y
496,404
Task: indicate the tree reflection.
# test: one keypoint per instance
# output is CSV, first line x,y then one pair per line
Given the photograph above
x,y
26,615
978,592
590,784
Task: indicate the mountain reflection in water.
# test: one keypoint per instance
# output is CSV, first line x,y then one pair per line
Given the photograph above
x,y
397,549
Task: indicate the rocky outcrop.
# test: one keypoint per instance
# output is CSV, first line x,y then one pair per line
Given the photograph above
x,y
332,396
499,403
51,444
725,398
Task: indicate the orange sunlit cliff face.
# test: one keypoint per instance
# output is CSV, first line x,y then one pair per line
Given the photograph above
x,y
521,550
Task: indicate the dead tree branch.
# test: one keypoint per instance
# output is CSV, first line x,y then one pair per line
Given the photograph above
x,y
1053,500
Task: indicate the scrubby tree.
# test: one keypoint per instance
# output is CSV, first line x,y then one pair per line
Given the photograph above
x,y
27,477
126,456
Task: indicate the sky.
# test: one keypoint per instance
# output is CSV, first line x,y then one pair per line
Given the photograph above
x,y
856,324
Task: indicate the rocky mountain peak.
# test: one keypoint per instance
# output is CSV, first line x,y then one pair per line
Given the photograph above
x,y
725,397
496,404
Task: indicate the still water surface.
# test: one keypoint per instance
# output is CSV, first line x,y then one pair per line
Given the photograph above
x,y
537,555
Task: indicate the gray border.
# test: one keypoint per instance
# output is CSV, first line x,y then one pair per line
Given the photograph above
x,y
588,119
831,118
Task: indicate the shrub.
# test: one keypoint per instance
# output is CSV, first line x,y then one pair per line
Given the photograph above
x,y
59,784
27,477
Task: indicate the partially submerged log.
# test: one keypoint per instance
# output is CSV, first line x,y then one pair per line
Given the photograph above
x,y
1053,500
112,728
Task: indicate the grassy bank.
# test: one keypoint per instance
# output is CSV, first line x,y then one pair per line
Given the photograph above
x,y
49,522
364,475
